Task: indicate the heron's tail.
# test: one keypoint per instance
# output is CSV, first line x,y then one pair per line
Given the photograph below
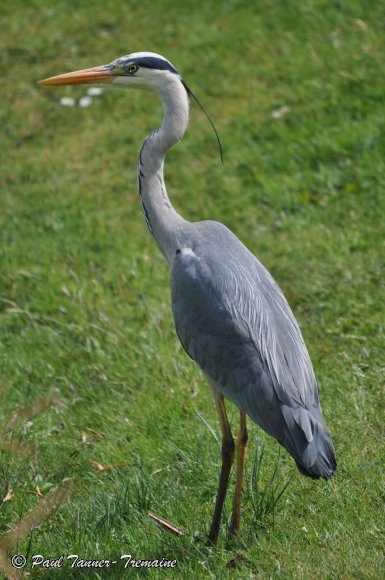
x,y
307,439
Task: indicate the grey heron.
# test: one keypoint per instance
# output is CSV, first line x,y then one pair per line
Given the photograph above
x,y
230,315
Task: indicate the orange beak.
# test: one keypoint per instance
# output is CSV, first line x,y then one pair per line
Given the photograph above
x,y
96,75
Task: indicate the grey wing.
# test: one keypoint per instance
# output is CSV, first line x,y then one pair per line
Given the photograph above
x,y
234,321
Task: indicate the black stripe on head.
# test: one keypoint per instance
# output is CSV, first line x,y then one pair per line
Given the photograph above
x,y
155,63
149,62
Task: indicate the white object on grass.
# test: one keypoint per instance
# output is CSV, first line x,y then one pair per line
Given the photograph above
x,y
85,102
94,91
67,102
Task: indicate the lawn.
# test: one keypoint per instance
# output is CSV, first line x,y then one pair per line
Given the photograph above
x,y
103,416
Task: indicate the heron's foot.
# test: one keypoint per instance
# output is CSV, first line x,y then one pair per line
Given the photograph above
x,y
212,538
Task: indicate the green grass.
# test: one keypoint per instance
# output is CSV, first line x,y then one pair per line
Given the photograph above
x,y
84,298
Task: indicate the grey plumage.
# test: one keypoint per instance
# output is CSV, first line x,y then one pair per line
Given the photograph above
x,y
234,321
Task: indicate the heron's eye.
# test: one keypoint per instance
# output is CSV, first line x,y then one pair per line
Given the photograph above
x,y
132,68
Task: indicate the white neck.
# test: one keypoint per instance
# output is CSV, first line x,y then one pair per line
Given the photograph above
x,y
163,221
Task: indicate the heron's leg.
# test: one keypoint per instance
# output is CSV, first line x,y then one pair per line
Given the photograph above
x,y
241,448
227,461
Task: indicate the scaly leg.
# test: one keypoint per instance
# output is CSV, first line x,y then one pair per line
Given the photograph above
x,y
241,448
227,461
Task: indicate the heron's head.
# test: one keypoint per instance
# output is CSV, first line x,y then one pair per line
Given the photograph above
x,y
139,70
142,70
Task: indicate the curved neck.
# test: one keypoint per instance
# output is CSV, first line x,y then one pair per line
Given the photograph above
x,y
162,220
